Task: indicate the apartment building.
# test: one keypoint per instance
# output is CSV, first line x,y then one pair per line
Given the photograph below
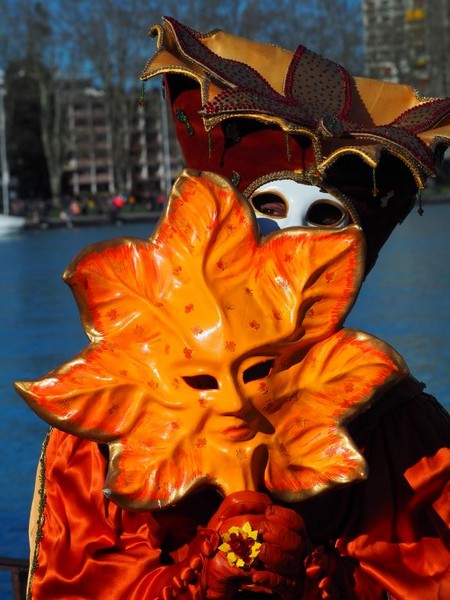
x,y
89,167
408,41
152,159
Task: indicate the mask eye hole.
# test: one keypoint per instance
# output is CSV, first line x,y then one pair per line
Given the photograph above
x,y
324,213
269,204
258,371
202,382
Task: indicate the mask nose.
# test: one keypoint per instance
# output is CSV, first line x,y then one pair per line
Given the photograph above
x,y
267,226
229,401
225,396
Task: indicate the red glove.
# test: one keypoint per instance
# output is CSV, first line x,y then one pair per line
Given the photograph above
x,y
328,575
278,567
186,576
207,571
223,579
285,545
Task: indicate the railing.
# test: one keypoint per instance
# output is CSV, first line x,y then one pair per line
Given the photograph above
x,y
18,568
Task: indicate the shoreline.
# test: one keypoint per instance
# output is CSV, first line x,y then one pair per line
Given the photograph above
x,y
93,220
123,218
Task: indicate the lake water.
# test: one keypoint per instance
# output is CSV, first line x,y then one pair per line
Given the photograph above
x,y
405,301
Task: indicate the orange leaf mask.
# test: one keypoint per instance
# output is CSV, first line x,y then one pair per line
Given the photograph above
x,y
217,357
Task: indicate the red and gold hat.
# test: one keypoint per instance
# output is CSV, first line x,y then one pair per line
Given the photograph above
x,y
255,112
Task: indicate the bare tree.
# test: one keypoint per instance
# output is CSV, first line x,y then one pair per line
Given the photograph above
x,y
332,28
12,33
105,42
109,37
40,53
248,18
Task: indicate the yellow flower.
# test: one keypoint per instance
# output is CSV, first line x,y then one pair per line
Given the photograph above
x,y
240,545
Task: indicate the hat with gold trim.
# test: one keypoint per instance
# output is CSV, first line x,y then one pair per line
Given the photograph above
x,y
255,112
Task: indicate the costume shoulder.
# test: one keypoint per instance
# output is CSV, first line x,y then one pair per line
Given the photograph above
x,y
395,523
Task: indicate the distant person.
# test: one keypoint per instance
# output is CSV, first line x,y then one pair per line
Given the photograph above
x,y
74,208
160,200
115,205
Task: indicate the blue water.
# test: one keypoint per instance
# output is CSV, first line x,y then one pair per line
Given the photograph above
x,y
405,301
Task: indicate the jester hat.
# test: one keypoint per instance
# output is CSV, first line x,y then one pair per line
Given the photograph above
x,y
255,112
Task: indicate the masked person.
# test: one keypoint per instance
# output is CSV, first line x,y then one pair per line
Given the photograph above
x,y
223,435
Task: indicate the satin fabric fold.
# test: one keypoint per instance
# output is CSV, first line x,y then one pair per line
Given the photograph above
x,y
87,547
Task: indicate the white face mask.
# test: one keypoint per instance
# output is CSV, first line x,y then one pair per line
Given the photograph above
x,y
286,203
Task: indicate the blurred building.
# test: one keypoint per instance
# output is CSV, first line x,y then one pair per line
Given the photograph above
x,y
155,156
152,164
408,41
89,166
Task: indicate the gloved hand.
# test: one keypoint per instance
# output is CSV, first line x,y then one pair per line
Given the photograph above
x,y
184,577
223,579
206,571
278,567
285,545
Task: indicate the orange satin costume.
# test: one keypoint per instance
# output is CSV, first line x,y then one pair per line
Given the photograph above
x,y
337,430
87,546
395,524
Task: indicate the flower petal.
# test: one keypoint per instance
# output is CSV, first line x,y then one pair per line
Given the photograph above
x,y
247,528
